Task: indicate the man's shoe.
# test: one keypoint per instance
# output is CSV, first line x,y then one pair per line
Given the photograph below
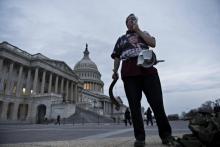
x,y
139,143
169,140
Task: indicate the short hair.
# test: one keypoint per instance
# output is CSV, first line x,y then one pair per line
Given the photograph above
x,y
131,16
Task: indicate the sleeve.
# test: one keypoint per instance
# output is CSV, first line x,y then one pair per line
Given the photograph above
x,y
117,49
146,33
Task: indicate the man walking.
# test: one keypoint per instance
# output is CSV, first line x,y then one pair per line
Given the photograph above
x,y
127,117
149,117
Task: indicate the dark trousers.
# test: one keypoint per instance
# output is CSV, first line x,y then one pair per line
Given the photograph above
x,y
151,87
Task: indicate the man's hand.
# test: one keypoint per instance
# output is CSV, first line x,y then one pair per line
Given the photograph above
x,y
115,75
115,69
151,41
136,27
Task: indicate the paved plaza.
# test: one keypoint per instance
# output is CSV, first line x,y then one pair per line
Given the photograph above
x,y
81,135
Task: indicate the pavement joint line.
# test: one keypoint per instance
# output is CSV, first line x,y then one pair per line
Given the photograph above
x,y
46,129
173,130
104,135
51,129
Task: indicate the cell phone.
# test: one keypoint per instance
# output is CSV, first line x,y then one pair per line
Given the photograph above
x,y
134,20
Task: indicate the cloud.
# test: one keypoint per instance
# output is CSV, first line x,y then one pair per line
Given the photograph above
x,y
187,34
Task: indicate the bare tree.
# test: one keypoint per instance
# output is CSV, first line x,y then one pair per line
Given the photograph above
x,y
207,106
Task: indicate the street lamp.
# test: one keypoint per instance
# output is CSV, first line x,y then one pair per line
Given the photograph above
x,y
94,106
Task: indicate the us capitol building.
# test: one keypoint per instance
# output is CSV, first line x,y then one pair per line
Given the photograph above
x,y
35,87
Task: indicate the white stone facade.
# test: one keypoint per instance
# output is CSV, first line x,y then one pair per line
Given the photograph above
x,y
31,86
92,95
34,87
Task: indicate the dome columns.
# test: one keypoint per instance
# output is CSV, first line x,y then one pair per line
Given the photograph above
x,y
87,70
93,86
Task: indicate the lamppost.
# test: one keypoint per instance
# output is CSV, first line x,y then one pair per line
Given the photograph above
x,y
94,106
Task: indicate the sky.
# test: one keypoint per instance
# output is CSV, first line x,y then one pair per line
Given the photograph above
x,y
187,35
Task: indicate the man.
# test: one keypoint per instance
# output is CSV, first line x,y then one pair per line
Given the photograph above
x,y
137,79
58,120
148,114
127,117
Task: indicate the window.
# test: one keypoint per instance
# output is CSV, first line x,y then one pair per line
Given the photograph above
x,y
26,74
23,91
5,82
14,88
17,71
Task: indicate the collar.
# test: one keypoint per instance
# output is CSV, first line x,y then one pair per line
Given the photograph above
x,y
130,32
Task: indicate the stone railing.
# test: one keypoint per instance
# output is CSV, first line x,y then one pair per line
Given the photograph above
x,y
47,95
3,95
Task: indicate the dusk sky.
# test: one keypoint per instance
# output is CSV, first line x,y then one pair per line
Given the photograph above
x,y
187,34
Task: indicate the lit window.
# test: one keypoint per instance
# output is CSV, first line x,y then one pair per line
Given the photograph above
x,y
90,86
24,90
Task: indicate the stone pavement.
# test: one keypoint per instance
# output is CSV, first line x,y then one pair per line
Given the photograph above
x,y
87,135
151,141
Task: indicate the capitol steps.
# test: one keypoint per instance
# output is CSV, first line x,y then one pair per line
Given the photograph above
x,y
86,116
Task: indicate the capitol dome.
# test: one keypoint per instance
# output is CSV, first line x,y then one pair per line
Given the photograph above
x,y
87,70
